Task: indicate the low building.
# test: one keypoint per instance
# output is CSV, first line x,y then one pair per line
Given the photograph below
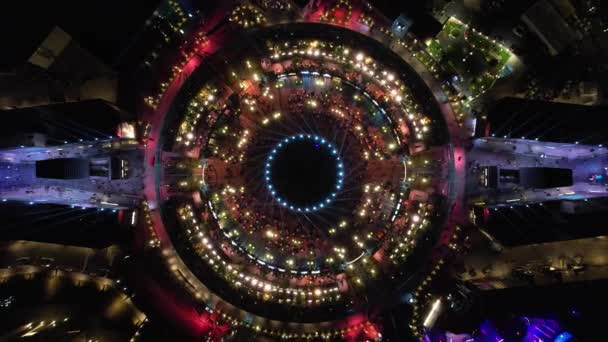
x,y
545,20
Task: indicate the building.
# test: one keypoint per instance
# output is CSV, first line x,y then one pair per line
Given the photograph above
x,y
508,172
548,23
58,123
64,292
543,120
58,70
103,173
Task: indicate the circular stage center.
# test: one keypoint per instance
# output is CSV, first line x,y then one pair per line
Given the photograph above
x,y
304,172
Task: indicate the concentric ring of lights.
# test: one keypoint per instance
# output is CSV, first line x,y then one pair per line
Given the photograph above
x,y
339,166
404,120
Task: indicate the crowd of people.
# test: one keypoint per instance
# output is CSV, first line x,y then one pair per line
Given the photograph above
x,y
273,232
263,229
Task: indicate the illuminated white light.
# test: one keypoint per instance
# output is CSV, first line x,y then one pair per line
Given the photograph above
x,y
433,314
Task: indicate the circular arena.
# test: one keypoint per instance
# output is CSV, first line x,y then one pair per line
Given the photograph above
x,y
318,167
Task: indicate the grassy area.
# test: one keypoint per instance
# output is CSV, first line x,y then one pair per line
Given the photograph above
x,y
434,49
476,58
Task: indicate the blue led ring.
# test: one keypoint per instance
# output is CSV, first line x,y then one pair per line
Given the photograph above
x,y
339,181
